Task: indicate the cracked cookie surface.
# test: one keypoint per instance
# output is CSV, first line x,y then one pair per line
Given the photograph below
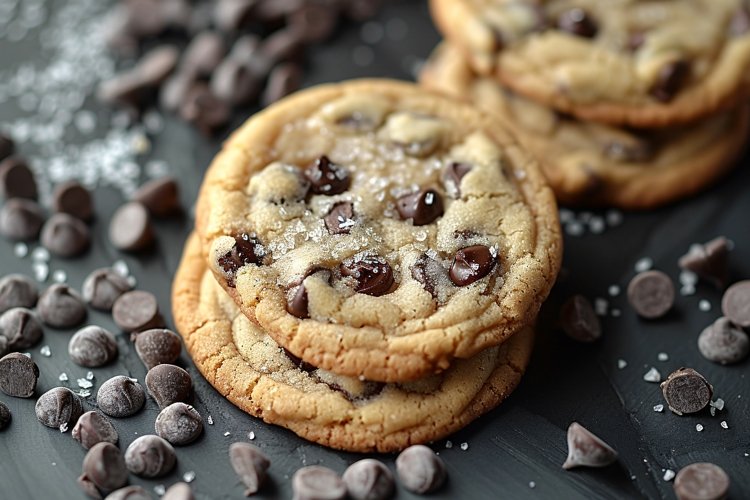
x,y
377,230
598,165
245,365
643,63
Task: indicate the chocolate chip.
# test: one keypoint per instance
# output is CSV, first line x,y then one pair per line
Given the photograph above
x,y
160,197
247,249
302,365
368,479
232,15
58,407
710,261
422,207
297,305
157,346
651,294
179,423
17,179
283,80
18,375
92,428
316,482
7,146
169,384
632,150
340,219
5,416
426,270
65,236
579,320
577,22
137,311
587,450
736,304
204,53
120,396
250,464
701,481
686,391
125,89
129,493
104,467
60,306
721,342
246,50
179,491
17,290
452,176
282,45
670,80
103,287
327,177
21,219
21,328
175,90
74,199
205,110
92,346
471,264
234,82
373,274
130,229
150,456
420,470
313,22
157,64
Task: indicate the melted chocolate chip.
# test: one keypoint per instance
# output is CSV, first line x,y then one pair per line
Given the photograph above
x,y
423,207
426,270
577,22
452,176
671,78
373,274
340,219
302,365
246,250
326,177
297,306
471,264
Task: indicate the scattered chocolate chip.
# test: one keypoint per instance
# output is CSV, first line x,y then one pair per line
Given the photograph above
x,y
670,80
65,236
205,110
283,80
686,391
423,207
5,416
373,274
21,219
426,270
18,375
169,384
587,450
316,482
247,249
471,264
157,346
120,396
74,199
282,45
17,290
327,177
232,15
341,218
452,175
235,82
137,311
16,179
175,91
92,346
710,261
92,428
58,407
60,306
420,470
701,481
130,229
179,491
104,467
722,342
577,22
21,328
736,304
156,65
103,287
129,493
313,22
651,294
125,89
579,320
150,456
204,53
368,479
179,423
160,196
250,464
7,146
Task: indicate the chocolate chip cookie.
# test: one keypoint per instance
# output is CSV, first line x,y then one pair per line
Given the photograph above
x,y
593,164
243,363
641,63
375,229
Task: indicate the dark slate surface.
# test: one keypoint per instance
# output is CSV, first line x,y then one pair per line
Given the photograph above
x,y
521,442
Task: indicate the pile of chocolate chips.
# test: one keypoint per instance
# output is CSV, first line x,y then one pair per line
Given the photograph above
x,y
202,60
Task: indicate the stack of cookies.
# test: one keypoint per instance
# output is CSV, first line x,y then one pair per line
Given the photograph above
x,y
367,265
627,103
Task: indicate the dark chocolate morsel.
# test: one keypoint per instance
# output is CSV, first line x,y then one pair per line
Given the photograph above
x,y
103,287
471,264
452,175
297,305
651,294
422,207
427,271
235,82
5,416
686,391
169,384
586,449
179,423
724,343
157,346
18,375
203,54
736,303
17,290
120,396
701,481
130,229
60,306
369,479
21,219
65,236
137,311
315,482
579,321
16,179
204,110
129,493
710,261
670,80
73,199
150,456
247,250
373,274
92,428
327,177
340,219
58,408
420,470
104,466
7,146
250,464
92,346
160,196
20,328
283,80
577,22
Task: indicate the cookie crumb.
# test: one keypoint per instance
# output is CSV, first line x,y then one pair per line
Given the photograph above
x,y
669,474
652,375
699,427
